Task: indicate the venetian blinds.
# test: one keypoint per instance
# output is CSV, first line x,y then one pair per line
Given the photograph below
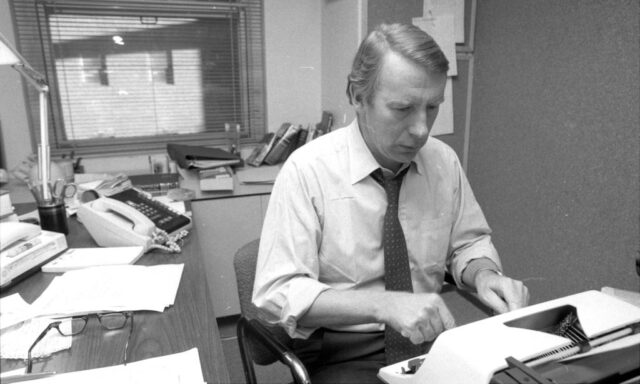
x,y
132,74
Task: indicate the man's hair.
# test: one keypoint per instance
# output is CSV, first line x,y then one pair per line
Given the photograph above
x,y
407,40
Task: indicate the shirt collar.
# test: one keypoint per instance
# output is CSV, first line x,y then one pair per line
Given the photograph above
x,y
361,161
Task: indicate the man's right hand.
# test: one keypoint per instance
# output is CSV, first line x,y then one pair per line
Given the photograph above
x,y
418,316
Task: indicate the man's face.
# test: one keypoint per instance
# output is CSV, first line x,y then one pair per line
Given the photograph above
x,y
396,124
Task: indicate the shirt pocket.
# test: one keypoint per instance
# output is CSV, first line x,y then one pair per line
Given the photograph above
x,y
428,246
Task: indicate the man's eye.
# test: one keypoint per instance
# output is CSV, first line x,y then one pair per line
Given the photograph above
x,y
432,107
402,109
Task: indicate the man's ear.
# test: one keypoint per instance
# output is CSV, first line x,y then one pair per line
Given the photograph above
x,y
355,99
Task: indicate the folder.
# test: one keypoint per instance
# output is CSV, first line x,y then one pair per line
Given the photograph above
x,y
195,156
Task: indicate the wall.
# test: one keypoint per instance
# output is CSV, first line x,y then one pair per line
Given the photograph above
x,y
16,141
293,63
343,27
554,145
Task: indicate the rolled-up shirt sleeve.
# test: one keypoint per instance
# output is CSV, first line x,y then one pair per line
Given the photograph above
x,y
286,283
471,234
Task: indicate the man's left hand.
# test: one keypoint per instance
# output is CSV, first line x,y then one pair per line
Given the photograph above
x,y
501,293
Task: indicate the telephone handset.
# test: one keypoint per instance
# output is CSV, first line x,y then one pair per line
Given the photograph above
x,y
13,232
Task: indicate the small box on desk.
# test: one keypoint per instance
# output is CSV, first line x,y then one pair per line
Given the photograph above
x,y
216,179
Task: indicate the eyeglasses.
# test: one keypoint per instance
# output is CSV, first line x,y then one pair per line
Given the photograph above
x,y
76,325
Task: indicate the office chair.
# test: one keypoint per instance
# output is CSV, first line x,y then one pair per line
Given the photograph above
x,y
259,342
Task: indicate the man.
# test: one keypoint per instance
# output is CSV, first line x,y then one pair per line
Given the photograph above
x,y
321,270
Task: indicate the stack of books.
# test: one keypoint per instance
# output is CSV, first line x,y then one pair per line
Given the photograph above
x,y
275,147
6,207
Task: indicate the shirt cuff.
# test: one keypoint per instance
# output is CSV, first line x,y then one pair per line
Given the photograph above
x,y
476,265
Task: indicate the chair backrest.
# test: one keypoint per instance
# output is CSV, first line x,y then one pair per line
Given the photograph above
x,y
244,264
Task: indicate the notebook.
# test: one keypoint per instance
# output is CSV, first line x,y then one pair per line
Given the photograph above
x,y
78,258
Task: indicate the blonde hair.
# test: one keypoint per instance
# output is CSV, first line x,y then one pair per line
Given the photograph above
x,y
405,39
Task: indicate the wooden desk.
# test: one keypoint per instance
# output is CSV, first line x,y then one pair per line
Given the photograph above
x,y
189,323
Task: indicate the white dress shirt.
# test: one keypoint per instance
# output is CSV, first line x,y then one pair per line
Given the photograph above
x,y
323,226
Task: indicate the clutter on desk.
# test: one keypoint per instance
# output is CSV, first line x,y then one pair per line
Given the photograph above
x,y
200,157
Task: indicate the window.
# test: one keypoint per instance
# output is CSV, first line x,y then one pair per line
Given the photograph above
x,y
134,75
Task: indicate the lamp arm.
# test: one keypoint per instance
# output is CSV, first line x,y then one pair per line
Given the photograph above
x,y
34,77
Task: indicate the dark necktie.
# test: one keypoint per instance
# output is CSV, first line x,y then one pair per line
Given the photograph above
x,y
397,274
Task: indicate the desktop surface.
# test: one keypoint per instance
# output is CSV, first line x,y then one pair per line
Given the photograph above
x,y
189,323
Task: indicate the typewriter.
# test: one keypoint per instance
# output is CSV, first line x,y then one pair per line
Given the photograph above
x,y
589,337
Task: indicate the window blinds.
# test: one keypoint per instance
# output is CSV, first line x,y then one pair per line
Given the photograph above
x,y
136,74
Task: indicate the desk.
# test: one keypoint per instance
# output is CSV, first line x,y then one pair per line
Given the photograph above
x,y
187,324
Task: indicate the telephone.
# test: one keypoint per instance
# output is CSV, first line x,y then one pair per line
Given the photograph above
x,y
24,248
12,232
130,218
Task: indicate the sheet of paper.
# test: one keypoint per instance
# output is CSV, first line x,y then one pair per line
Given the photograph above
x,y
180,368
441,28
444,122
15,341
13,310
110,288
453,7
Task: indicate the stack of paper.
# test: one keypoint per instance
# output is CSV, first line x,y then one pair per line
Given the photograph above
x,y
110,288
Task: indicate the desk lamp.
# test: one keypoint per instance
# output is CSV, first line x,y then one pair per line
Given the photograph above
x,y
10,56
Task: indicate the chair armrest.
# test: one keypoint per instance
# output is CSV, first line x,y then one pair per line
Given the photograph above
x,y
251,328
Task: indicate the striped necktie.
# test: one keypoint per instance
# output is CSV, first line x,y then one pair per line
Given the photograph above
x,y
397,274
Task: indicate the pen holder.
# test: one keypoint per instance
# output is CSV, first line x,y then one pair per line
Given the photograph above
x,y
53,217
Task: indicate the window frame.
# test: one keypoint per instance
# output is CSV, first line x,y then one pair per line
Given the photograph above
x,y
253,83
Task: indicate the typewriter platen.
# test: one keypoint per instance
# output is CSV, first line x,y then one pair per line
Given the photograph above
x,y
587,337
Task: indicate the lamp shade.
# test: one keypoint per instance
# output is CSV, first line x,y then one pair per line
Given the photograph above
x,y
7,55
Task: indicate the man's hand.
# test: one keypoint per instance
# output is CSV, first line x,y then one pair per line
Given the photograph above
x,y
501,293
420,317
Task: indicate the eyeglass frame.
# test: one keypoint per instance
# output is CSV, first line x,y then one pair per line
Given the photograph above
x,y
56,324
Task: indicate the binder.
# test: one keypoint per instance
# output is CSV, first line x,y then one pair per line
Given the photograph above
x,y
195,156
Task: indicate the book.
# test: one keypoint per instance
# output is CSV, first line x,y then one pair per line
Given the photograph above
x,y
302,137
326,124
156,183
257,155
216,179
282,148
260,157
78,258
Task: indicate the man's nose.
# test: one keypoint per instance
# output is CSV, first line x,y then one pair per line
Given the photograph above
x,y
420,126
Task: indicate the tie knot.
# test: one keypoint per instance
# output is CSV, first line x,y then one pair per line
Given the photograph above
x,y
390,182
